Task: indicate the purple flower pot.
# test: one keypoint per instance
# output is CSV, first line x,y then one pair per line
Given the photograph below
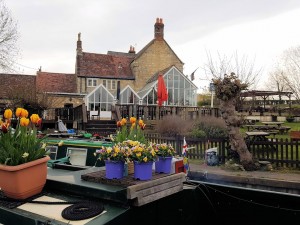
x,y
163,165
114,169
143,170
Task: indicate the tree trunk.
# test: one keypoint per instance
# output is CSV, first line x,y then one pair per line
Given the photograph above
x,y
236,139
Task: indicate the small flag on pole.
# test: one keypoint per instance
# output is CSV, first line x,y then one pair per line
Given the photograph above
x,y
184,154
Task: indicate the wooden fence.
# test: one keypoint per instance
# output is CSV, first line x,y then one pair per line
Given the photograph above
x,y
279,152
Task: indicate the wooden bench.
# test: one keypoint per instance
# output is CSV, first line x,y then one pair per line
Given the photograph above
x,y
284,129
295,135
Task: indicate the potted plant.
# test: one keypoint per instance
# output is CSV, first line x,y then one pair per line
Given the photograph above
x,y
133,132
114,158
143,156
23,159
165,153
130,131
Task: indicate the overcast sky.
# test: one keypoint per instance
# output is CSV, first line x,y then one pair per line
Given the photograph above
x,y
259,29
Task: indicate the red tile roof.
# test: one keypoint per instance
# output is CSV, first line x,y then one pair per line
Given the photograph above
x,y
56,82
113,65
12,83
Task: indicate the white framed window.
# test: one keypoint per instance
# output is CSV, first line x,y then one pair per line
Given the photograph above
x,y
91,82
110,84
52,151
77,156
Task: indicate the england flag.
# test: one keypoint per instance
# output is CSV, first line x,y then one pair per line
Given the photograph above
x,y
184,154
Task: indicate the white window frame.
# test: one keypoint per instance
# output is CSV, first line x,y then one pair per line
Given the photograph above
x,y
80,152
110,84
53,151
91,82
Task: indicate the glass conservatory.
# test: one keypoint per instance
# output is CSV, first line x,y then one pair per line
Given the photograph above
x,y
181,91
128,96
100,99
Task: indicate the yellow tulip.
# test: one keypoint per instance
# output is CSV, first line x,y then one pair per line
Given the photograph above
x,y
19,112
8,114
34,118
24,122
132,120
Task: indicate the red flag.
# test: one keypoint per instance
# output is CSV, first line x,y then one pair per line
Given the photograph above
x,y
162,94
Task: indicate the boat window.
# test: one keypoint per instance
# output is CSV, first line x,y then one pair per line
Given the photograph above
x,y
52,151
77,156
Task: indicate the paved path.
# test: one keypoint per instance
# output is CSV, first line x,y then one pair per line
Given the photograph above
x,y
274,175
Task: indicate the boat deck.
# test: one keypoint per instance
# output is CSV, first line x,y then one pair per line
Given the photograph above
x,y
72,186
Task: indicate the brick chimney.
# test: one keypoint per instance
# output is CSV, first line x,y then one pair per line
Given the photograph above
x,y
131,50
159,29
79,45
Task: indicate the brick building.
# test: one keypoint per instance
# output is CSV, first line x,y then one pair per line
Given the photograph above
x,y
101,80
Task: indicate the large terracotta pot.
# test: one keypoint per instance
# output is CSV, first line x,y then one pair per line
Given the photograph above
x,y
25,180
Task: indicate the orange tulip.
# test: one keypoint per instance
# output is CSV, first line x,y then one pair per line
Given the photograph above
x,y
132,120
20,112
24,122
8,114
34,118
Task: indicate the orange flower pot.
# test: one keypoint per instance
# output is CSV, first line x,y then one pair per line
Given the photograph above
x,y
25,180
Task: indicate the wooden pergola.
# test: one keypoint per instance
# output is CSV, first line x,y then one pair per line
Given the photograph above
x,y
264,95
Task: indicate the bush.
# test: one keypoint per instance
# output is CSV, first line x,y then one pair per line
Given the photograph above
x,y
174,125
209,127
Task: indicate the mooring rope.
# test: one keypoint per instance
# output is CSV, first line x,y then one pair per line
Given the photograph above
x,y
82,211
78,210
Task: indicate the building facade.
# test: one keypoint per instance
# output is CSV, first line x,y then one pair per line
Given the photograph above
x,y
102,80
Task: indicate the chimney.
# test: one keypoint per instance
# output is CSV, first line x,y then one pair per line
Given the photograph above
x,y
131,50
159,29
79,45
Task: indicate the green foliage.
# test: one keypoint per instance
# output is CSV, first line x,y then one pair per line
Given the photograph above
x,y
164,150
20,145
119,152
141,152
130,132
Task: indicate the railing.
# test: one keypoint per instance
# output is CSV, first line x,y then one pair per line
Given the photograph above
x,y
147,112
279,152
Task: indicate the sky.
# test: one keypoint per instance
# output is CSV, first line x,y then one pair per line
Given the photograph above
x,y
258,29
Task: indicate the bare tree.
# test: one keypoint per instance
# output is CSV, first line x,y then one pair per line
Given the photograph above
x,y
241,66
228,90
290,67
8,38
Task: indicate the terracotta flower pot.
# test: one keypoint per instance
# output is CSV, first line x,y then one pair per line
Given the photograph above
x,y
25,180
